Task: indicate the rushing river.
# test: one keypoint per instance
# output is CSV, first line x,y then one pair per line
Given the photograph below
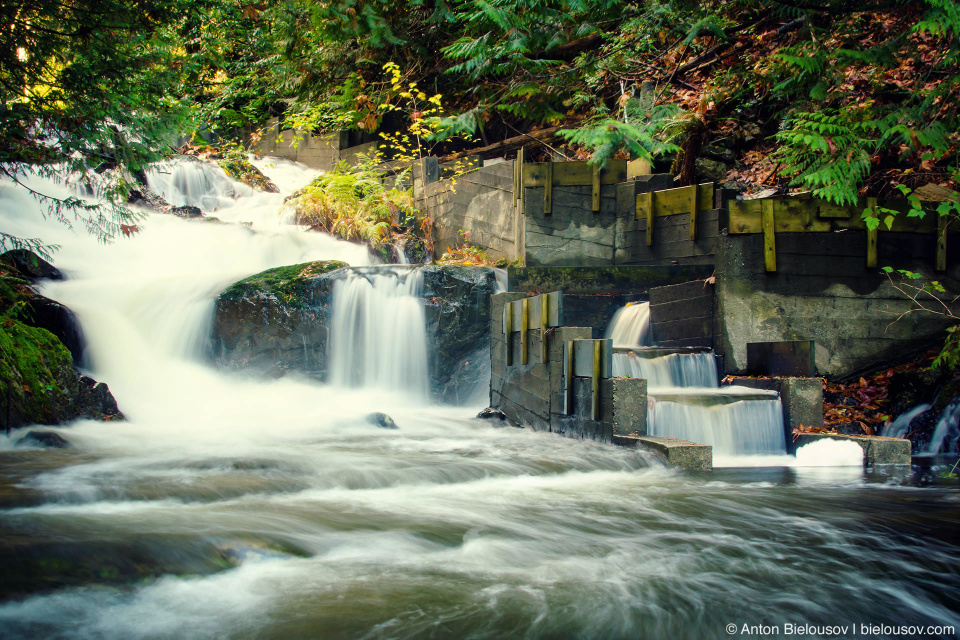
x,y
233,507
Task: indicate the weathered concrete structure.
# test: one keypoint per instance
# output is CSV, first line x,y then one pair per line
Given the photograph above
x,y
876,450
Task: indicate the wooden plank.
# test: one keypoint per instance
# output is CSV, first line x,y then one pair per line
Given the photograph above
x,y
942,225
872,237
595,206
693,213
524,328
645,210
544,299
769,240
572,173
583,358
569,353
827,209
548,190
638,167
508,330
554,311
595,379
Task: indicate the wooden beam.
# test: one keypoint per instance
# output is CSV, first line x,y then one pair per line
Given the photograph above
x,y
596,189
569,362
693,213
508,331
872,236
647,206
544,322
572,173
524,328
595,379
769,239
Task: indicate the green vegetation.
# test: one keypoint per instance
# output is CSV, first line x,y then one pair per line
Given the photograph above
x,y
288,283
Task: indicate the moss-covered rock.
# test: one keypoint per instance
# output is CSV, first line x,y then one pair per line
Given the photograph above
x,y
237,166
37,380
288,284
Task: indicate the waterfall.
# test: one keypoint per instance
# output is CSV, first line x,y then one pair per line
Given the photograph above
x,y
196,184
685,400
671,370
751,426
901,426
378,333
630,326
945,433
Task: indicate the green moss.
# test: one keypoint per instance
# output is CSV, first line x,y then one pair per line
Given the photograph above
x,y
289,283
238,167
34,365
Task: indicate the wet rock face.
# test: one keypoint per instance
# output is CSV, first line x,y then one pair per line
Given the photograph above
x,y
45,439
278,321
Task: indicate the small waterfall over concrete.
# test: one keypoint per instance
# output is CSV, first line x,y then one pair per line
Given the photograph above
x,y
670,370
685,399
630,326
378,334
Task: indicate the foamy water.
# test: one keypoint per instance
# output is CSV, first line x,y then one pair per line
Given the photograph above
x,y
234,507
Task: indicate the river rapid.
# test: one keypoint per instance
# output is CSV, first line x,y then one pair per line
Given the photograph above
x,y
238,507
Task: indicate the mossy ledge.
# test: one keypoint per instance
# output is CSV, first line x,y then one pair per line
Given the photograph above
x,y
36,374
288,284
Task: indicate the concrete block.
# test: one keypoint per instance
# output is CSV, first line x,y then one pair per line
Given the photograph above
x,y
681,454
623,404
876,450
802,400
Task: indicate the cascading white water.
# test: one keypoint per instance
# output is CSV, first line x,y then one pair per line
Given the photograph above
x,y
630,326
732,427
186,182
705,413
945,433
378,335
899,427
671,370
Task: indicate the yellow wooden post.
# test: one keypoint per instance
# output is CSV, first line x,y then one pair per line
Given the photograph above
x,y
548,190
596,188
942,224
645,210
524,323
693,212
518,194
596,379
568,396
508,330
872,236
769,241
544,323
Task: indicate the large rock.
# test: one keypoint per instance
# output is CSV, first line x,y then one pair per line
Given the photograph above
x,y
278,321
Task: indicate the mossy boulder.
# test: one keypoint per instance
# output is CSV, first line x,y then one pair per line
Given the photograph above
x,y
37,380
276,321
236,165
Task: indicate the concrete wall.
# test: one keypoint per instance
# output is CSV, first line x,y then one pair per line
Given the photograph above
x,y
316,151
480,200
533,394
822,291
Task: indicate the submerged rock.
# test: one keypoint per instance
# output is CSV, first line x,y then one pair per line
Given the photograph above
x,y
381,420
492,414
95,402
45,439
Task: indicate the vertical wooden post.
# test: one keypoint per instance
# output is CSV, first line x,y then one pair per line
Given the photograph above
x,y
769,241
568,392
693,212
544,323
508,330
872,236
524,324
596,379
648,208
596,188
548,191
518,167
942,224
